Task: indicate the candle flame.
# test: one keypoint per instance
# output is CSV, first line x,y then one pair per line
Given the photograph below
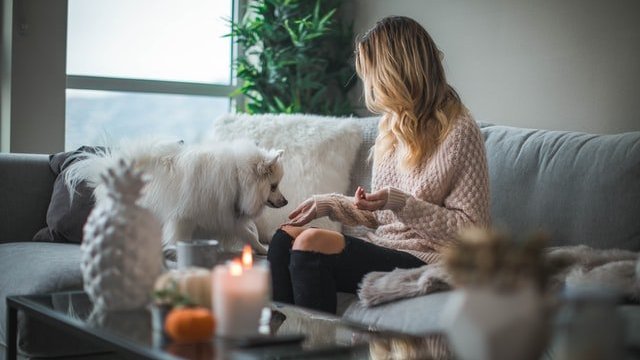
x,y
235,268
247,258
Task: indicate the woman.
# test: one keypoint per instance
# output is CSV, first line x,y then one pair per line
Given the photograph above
x,y
429,177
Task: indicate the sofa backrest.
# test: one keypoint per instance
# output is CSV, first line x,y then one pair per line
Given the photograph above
x,y
578,188
26,183
361,170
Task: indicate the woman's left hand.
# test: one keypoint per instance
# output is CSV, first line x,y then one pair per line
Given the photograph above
x,y
303,214
372,202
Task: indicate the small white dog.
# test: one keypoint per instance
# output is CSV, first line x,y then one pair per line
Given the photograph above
x,y
216,189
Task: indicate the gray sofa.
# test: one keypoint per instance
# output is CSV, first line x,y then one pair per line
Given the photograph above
x,y
579,188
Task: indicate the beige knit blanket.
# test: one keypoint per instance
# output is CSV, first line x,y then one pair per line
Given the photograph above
x,y
570,267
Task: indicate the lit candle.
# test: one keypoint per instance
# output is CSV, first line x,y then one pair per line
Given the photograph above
x,y
240,292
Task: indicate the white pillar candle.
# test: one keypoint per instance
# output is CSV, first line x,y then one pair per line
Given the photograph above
x,y
240,292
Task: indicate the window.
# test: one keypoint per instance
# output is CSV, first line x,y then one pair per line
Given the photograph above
x,y
146,67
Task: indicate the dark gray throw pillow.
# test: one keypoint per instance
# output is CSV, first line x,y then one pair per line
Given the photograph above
x,y
65,219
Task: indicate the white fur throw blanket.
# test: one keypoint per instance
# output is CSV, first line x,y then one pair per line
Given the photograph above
x,y
571,266
319,152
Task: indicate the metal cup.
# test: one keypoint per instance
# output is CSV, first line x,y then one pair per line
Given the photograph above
x,y
199,253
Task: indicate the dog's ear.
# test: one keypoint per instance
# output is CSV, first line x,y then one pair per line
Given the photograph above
x,y
276,155
265,166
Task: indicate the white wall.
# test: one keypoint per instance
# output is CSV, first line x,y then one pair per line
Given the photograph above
x,y
553,64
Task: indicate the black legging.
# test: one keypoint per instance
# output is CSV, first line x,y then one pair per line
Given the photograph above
x,y
311,279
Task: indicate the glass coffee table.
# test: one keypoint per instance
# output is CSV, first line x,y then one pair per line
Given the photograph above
x,y
294,333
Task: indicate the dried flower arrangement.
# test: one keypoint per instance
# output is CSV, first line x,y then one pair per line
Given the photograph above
x,y
485,257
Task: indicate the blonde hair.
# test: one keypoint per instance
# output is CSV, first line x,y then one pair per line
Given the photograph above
x,y
404,80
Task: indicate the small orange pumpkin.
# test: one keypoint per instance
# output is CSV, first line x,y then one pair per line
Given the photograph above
x,y
193,324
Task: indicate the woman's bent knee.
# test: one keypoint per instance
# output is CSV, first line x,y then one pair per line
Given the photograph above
x,y
279,246
319,240
293,231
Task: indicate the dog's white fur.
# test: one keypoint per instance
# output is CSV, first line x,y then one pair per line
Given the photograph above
x,y
217,189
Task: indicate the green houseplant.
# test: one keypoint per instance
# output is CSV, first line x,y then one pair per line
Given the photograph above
x,y
296,57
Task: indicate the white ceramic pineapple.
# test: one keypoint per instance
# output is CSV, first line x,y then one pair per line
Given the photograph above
x,y
121,248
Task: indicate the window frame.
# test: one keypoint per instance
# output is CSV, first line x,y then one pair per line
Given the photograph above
x,y
82,82
33,67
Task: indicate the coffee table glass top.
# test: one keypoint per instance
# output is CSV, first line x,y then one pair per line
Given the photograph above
x,y
324,335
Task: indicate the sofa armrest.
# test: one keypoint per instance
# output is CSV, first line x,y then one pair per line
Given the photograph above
x,y
26,183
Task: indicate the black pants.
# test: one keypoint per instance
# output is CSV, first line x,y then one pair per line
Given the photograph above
x,y
311,279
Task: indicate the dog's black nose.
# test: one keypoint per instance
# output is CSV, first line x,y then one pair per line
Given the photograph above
x,y
285,202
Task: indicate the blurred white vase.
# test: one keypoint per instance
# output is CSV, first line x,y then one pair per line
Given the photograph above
x,y
483,323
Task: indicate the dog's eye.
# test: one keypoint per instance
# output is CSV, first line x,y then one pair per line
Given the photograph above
x,y
274,187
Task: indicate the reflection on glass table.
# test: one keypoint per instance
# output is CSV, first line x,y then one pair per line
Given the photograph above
x,y
322,335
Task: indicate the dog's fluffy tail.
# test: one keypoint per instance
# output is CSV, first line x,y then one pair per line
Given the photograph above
x,y
89,166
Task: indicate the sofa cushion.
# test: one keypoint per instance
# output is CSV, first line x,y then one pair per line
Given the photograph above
x,y
36,268
66,218
416,315
579,188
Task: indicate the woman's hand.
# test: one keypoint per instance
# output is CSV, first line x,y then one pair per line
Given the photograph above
x,y
303,214
372,202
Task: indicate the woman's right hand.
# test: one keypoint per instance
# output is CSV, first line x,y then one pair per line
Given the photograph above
x,y
303,214
373,201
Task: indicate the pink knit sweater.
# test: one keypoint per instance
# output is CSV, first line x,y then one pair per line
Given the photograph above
x,y
429,205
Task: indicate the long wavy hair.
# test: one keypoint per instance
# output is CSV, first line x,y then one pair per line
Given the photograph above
x,y
404,80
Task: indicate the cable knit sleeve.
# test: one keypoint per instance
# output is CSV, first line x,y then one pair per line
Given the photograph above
x,y
466,204
340,208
